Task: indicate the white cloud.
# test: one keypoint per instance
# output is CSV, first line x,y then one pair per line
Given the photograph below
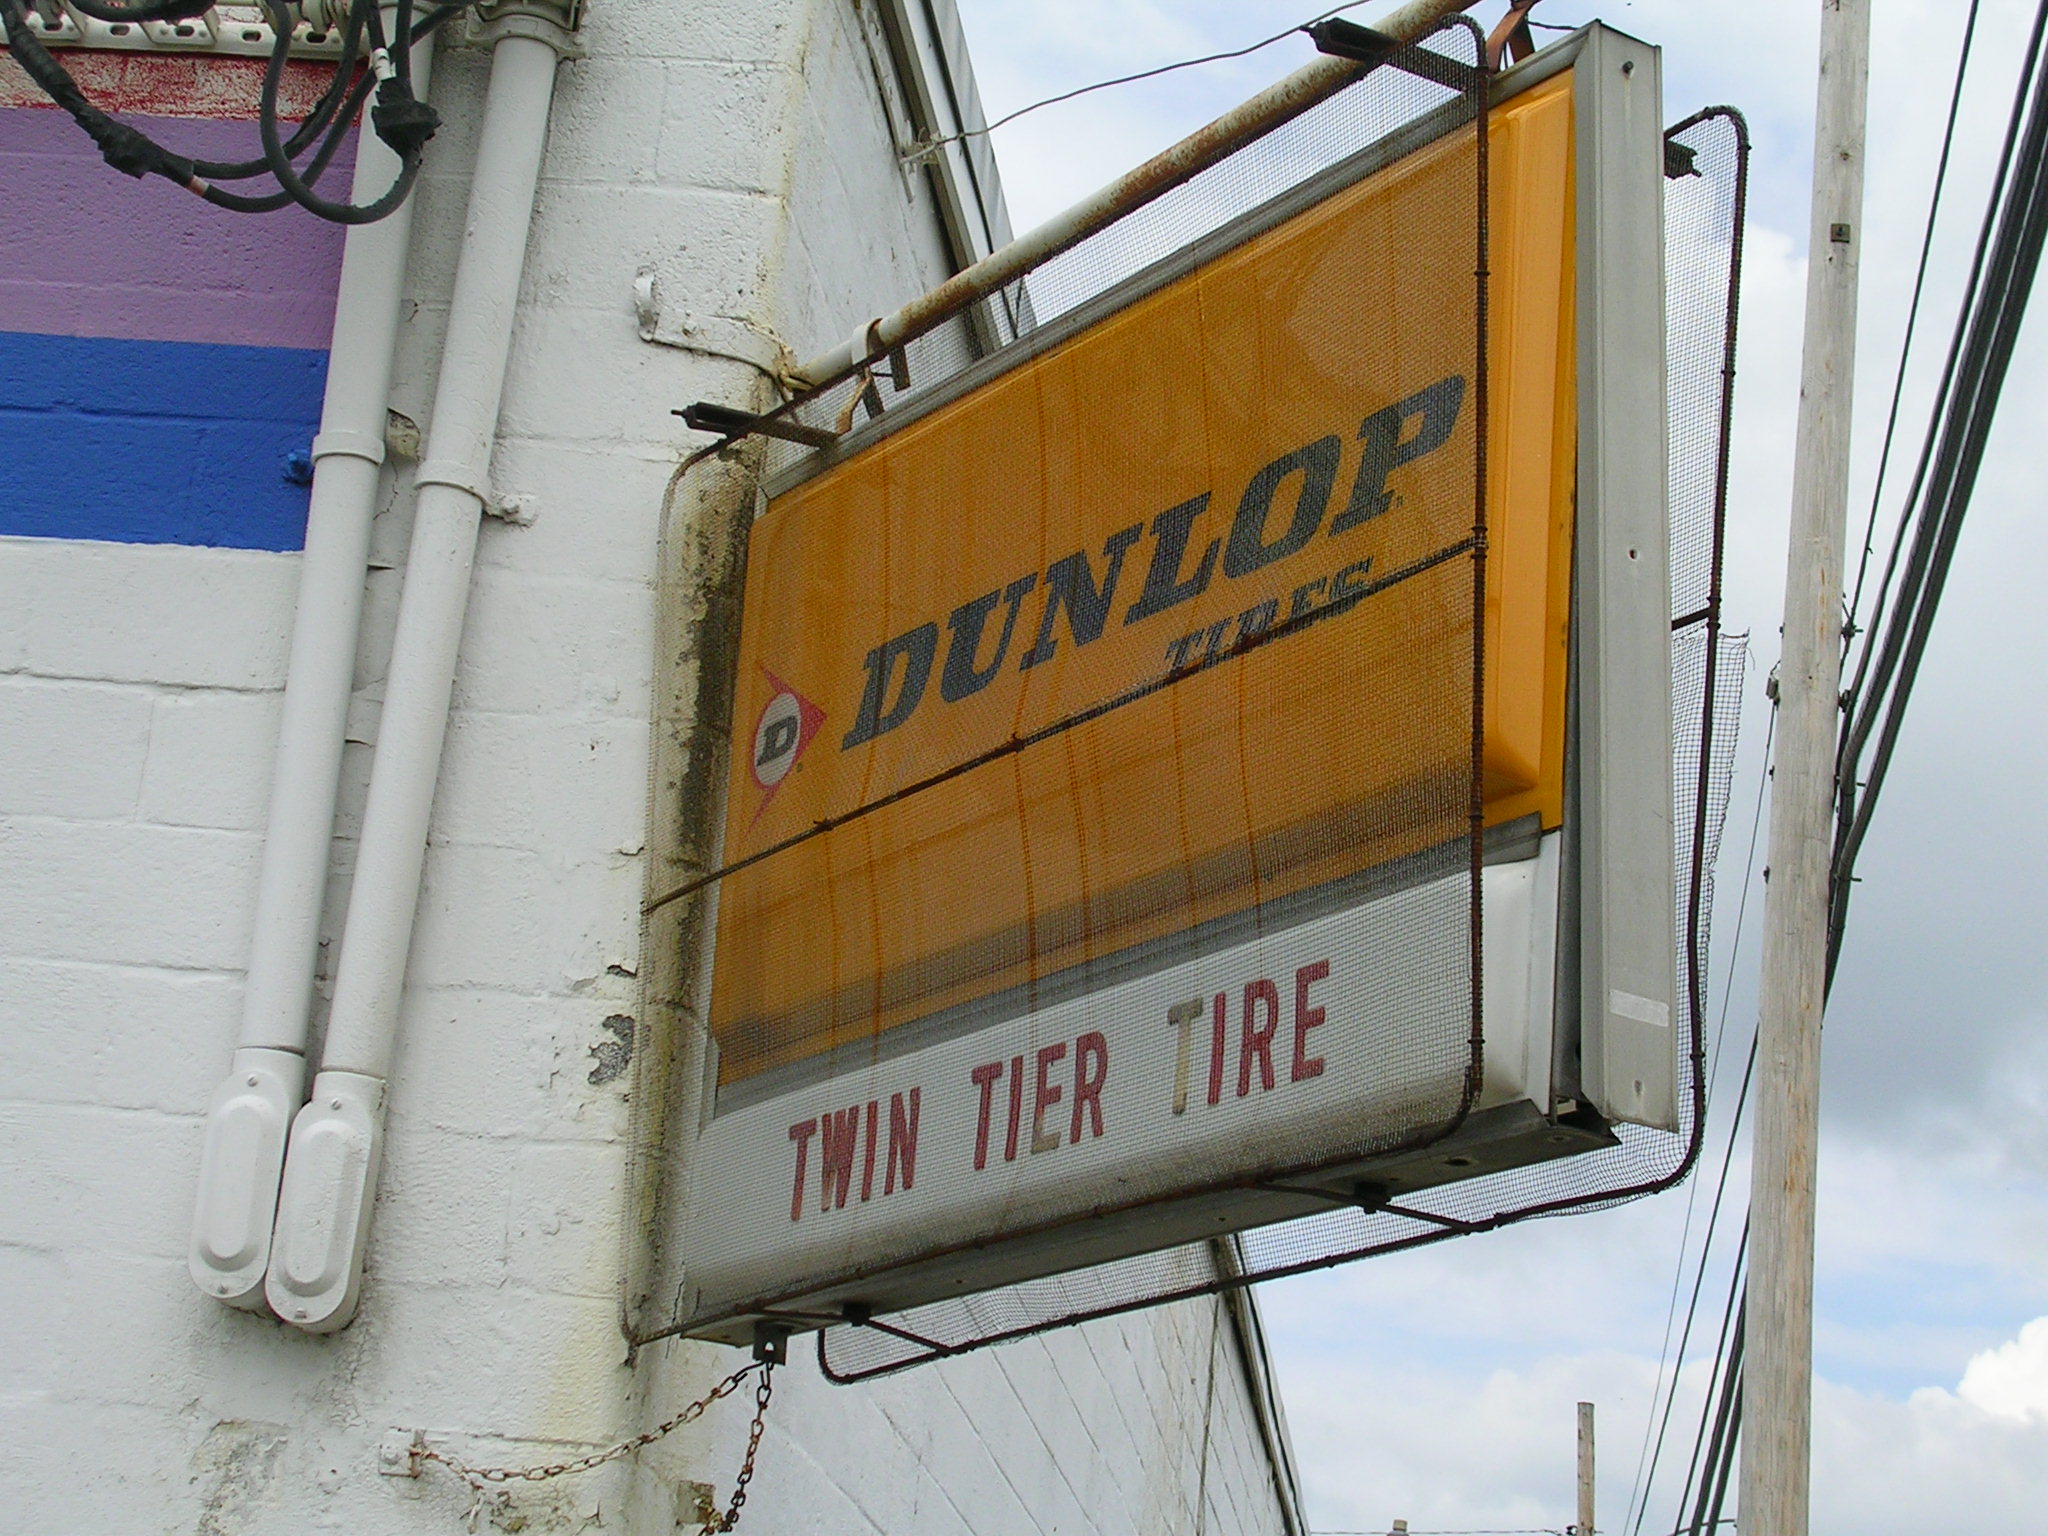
x,y
1935,1462
1454,1452
2011,1380
1493,1448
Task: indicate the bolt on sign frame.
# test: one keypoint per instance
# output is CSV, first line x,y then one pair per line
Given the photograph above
x,y
1212,758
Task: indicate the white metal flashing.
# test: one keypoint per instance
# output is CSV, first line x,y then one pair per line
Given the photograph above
x,y
1627,970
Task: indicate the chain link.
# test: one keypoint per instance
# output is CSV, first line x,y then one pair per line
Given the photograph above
x,y
480,1478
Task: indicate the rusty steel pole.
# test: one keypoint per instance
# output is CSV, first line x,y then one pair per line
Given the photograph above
x,y
1276,105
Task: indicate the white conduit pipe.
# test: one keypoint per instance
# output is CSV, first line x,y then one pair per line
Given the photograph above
x,y
330,1175
251,1110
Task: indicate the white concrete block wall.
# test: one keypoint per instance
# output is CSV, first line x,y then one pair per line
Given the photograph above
x,y
739,147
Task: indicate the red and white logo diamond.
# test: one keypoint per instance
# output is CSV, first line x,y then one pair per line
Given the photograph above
x,y
785,727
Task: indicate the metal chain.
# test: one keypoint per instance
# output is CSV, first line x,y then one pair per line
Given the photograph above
x,y
763,1389
478,1478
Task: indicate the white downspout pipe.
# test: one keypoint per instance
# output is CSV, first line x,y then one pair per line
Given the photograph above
x,y
336,1144
250,1111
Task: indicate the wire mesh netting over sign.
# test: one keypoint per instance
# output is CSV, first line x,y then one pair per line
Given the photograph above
x,y
1064,865
1071,767
1706,170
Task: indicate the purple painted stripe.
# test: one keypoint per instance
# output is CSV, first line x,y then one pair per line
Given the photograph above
x,y
89,252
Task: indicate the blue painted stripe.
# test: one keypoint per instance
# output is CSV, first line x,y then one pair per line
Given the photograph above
x,y
155,442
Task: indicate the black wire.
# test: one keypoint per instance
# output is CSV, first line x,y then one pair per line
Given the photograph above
x,y
1986,335
279,163
1948,374
347,102
2009,251
1945,391
928,145
402,57
128,150
1948,135
338,92
1727,1367
264,203
1646,1475
435,19
401,120
1699,1282
1730,1439
281,167
2009,248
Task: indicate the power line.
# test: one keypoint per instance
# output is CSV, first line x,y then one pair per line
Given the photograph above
x,y
1713,1457
926,147
1948,135
2008,258
1646,1477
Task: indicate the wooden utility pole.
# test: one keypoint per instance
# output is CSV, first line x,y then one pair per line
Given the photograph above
x,y
1777,1392
1585,1525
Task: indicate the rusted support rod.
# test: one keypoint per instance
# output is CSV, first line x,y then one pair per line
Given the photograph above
x,y
1270,109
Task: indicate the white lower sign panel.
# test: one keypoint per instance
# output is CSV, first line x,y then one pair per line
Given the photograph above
x,y
1289,1050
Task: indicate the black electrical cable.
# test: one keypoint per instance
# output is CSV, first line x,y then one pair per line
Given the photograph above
x,y
1948,136
236,202
1699,1282
1985,334
401,58
1730,1439
1714,1411
2003,270
2009,254
1946,385
341,92
345,102
273,145
128,150
336,125
399,118
1951,365
1646,1471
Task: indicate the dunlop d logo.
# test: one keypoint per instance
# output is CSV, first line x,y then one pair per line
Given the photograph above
x,y
784,728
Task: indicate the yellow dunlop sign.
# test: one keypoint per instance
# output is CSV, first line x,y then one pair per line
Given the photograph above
x,y
1256,481
1112,722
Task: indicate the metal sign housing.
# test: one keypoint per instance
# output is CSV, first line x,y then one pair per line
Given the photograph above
x,y
1124,668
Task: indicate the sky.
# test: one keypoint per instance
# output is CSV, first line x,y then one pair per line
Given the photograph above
x,y
1439,1386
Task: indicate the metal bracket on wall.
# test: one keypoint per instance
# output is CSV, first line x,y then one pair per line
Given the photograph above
x,y
724,336
704,416
553,22
234,31
1348,40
